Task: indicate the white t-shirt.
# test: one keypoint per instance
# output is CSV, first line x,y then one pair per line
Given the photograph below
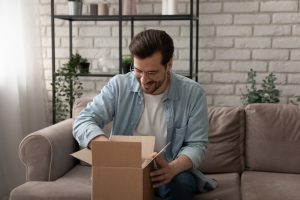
x,y
152,121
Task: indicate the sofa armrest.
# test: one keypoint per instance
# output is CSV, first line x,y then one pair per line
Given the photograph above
x,y
46,152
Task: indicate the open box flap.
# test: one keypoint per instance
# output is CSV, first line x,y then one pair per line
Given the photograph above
x,y
84,155
147,161
147,143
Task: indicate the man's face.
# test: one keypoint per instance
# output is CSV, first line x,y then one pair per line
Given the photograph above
x,y
151,74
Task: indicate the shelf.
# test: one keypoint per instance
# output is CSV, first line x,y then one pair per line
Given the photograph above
x,y
186,74
98,75
124,17
93,74
183,73
192,18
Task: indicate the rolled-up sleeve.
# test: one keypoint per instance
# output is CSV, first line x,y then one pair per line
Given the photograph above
x,y
96,115
196,138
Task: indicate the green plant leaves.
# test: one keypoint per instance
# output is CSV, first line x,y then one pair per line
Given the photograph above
x,y
295,101
66,80
268,93
127,60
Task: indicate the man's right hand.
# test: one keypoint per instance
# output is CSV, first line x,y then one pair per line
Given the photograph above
x,y
98,138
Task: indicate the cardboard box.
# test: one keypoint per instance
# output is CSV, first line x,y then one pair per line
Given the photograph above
x,y
121,167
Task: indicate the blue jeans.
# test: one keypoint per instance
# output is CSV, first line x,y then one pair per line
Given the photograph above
x,y
182,187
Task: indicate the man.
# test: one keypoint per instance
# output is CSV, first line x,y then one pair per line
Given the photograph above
x,y
153,100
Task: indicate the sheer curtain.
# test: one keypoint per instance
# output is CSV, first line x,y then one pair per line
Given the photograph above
x,y
23,106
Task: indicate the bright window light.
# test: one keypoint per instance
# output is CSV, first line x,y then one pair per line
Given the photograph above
x,y
11,41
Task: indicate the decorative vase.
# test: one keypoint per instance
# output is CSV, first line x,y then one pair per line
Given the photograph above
x,y
75,8
133,7
172,7
129,7
164,7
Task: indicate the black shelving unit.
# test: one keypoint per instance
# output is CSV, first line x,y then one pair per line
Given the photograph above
x,y
193,18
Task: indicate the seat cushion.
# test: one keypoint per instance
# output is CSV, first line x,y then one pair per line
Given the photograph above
x,y
273,138
75,185
228,188
226,140
270,186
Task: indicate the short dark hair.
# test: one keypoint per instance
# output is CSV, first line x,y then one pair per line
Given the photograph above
x,y
148,42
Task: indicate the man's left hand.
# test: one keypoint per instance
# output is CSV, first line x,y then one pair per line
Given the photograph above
x,y
164,174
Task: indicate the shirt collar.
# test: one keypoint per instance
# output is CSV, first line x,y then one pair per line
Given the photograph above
x,y
172,91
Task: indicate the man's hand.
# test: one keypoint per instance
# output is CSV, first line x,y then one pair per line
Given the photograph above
x,y
164,174
167,171
98,138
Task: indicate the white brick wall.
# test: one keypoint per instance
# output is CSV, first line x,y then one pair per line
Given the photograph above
x,y
272,30
270,54
234,36
241,7
252,19
232,54
234,31
210,7
279,6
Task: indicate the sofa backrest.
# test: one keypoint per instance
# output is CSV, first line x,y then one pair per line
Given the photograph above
x,y
273,138
226,140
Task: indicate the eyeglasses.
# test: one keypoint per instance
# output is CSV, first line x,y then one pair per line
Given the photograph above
x,y
139,73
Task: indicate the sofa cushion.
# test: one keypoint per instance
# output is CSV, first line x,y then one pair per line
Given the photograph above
x,y
273,138
270,186
226,136
75,185
228,188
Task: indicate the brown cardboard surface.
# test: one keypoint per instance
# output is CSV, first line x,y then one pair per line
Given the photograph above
x,y
117,183
147,149
147,143
116,154
84,155
148,193
117,169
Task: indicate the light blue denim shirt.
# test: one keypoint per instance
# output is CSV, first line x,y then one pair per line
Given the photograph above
x,y
122,102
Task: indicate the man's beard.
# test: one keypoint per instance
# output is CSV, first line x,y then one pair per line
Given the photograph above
x,y
152,86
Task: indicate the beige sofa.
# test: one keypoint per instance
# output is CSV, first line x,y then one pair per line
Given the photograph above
x,y
254,154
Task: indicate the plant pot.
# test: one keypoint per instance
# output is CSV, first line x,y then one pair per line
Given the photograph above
x,y
126,68
75,8
84,68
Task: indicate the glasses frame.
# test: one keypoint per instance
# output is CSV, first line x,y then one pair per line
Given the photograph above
x,y
151,75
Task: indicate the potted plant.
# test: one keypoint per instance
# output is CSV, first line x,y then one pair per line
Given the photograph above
x,y
83,66
295,100
126,64
67,87
75,7
268,93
